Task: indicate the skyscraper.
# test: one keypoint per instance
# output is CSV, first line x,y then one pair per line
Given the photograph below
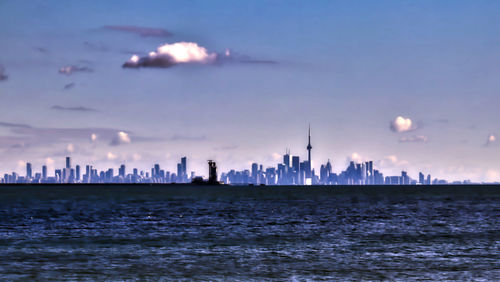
x,y
77,170
421,178
68,162
29,170
156,171
44,172
184,167
286,159
309,147
295,163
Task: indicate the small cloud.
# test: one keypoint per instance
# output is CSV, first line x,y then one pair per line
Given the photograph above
x,y
70,148
142,31
3,76
276,157
355,157
20,145
42,50
414,139
231,56
93,137
169,55
187,138
491,139
443,120
74,109
492,175
69,86
120,138
110,156
68,70
21,165
136,157
391,161
401,124
49,162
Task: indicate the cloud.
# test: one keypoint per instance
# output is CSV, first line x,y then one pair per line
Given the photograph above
x,y
177,137
392,161
14,125
355,157
42,50
3,76
69,86
49,162
74,109
492,175
70,148
23,133
401,124
120,138
110,156
491,140
276,157
68,70
234,57
142,31
169,55
136,157
414,139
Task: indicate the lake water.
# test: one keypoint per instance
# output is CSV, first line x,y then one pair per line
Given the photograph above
x,y
249,233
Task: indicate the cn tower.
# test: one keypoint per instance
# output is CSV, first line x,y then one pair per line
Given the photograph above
x,y
309,147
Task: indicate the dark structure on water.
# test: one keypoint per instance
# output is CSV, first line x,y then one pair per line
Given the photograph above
x,y
212,172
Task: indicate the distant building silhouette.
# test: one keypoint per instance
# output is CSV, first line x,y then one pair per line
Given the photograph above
x,y
212,172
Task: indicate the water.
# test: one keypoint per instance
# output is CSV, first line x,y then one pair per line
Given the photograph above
x,y
249,233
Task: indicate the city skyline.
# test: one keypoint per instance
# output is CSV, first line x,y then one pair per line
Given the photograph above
x,y
409,85
291,171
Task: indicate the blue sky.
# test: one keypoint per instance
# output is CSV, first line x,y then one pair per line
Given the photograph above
x,y
347,67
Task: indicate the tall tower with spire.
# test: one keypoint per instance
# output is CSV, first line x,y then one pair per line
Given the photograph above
x,y
309,147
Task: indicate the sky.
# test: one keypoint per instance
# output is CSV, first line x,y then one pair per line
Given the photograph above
x,y
411,85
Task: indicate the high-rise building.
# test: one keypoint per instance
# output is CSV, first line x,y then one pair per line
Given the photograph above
x,y
421,178
184,166
121,171
405,180
286,159
179,172
255,170
156,171
296,163
68,162
29,171
77,169
44,172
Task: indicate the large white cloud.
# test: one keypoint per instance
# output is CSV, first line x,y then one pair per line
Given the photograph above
x,y
401,124
172,54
